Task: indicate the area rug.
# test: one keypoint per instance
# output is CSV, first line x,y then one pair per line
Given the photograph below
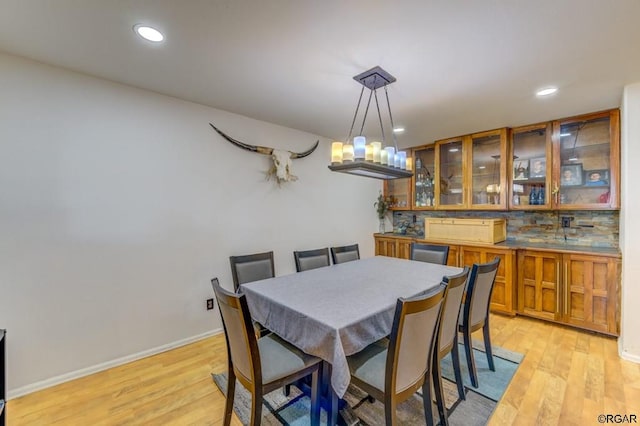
x,y
475,410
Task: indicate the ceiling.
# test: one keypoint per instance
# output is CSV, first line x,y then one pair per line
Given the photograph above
x,y
461,66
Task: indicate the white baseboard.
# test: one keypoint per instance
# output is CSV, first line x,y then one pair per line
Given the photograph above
x,y
626,355
24,390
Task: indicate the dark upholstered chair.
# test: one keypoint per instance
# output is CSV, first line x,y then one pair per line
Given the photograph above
x,y
430,253
447,339
261,365
475,312
392,370
251,267
311,259
345,253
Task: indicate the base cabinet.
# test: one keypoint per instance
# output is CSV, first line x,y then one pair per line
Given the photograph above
x,y
393,246
590,292
581,290
574,289
539,284
502,297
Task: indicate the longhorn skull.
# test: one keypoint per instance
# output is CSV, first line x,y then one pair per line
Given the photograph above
x,y
281,169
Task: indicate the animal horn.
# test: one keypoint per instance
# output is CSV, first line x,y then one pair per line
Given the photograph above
x,y
259,149
304,154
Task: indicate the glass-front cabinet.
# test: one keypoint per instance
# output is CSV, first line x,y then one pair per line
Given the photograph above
x,y
531,167
488,170
471,171
450,179
587,162
424,160
400,191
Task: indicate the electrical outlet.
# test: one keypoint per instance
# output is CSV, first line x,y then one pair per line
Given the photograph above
x,y
566,221
209,304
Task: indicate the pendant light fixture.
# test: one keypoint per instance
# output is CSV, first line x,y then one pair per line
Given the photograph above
x,y
376,159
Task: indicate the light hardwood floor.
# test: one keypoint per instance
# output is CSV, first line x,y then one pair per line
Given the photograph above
x,y
567,377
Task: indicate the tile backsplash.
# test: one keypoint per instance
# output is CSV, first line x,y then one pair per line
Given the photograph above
x,y
588,228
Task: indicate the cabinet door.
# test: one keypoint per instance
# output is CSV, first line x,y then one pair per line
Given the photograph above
x,y
400,192
450,177
590,292
403,247
454,256
530,167
385,246
502,297
488,163
424,160
586,157
539,284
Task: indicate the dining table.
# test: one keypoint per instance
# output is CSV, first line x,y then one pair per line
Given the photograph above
x,y
336,311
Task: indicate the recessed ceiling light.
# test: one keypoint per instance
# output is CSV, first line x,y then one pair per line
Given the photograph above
x,y
546,92
148,33
398,130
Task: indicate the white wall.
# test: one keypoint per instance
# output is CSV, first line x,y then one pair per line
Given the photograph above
x,y
629,224
118,205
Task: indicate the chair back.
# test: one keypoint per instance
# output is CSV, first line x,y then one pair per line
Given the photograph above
x,y
311,259
251,267
476,307
345,253
430,253
412,341
242,346
448,331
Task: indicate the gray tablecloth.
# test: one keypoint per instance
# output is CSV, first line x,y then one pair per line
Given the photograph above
x,y
336,311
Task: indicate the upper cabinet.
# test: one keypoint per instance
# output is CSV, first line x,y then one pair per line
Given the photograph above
x,y
424,160
530,167
586,162
400,191
568,164
471,171
488,170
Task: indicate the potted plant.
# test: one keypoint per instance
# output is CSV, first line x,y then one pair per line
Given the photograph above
x,y
382,207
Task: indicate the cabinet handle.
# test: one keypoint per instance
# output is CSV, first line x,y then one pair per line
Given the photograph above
x,y
566,288
555,191
558,286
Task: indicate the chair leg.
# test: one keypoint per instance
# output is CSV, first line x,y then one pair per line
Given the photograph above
x,y
231,392
333,408
455,361
426,401
256,408
315,398
286,390
389,411
436,373
471,364
487,345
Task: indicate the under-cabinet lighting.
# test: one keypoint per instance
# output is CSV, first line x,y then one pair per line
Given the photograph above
x,y
398,130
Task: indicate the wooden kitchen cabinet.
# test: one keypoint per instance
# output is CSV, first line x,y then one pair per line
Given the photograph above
x,y
586,162
575,289
591,292
392,246
471,171
531,167
539,284
400,191
503,295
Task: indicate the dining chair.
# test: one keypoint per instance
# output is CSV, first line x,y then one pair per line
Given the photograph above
x,y
260,365
311,259
475,312
392,370
447,339
251,267
430,253
344,254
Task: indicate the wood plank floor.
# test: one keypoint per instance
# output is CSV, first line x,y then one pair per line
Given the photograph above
x,y
568,377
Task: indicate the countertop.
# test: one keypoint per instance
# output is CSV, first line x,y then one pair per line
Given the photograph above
x,y
555,246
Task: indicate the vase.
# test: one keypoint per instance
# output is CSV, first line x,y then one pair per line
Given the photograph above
x,y
381,226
